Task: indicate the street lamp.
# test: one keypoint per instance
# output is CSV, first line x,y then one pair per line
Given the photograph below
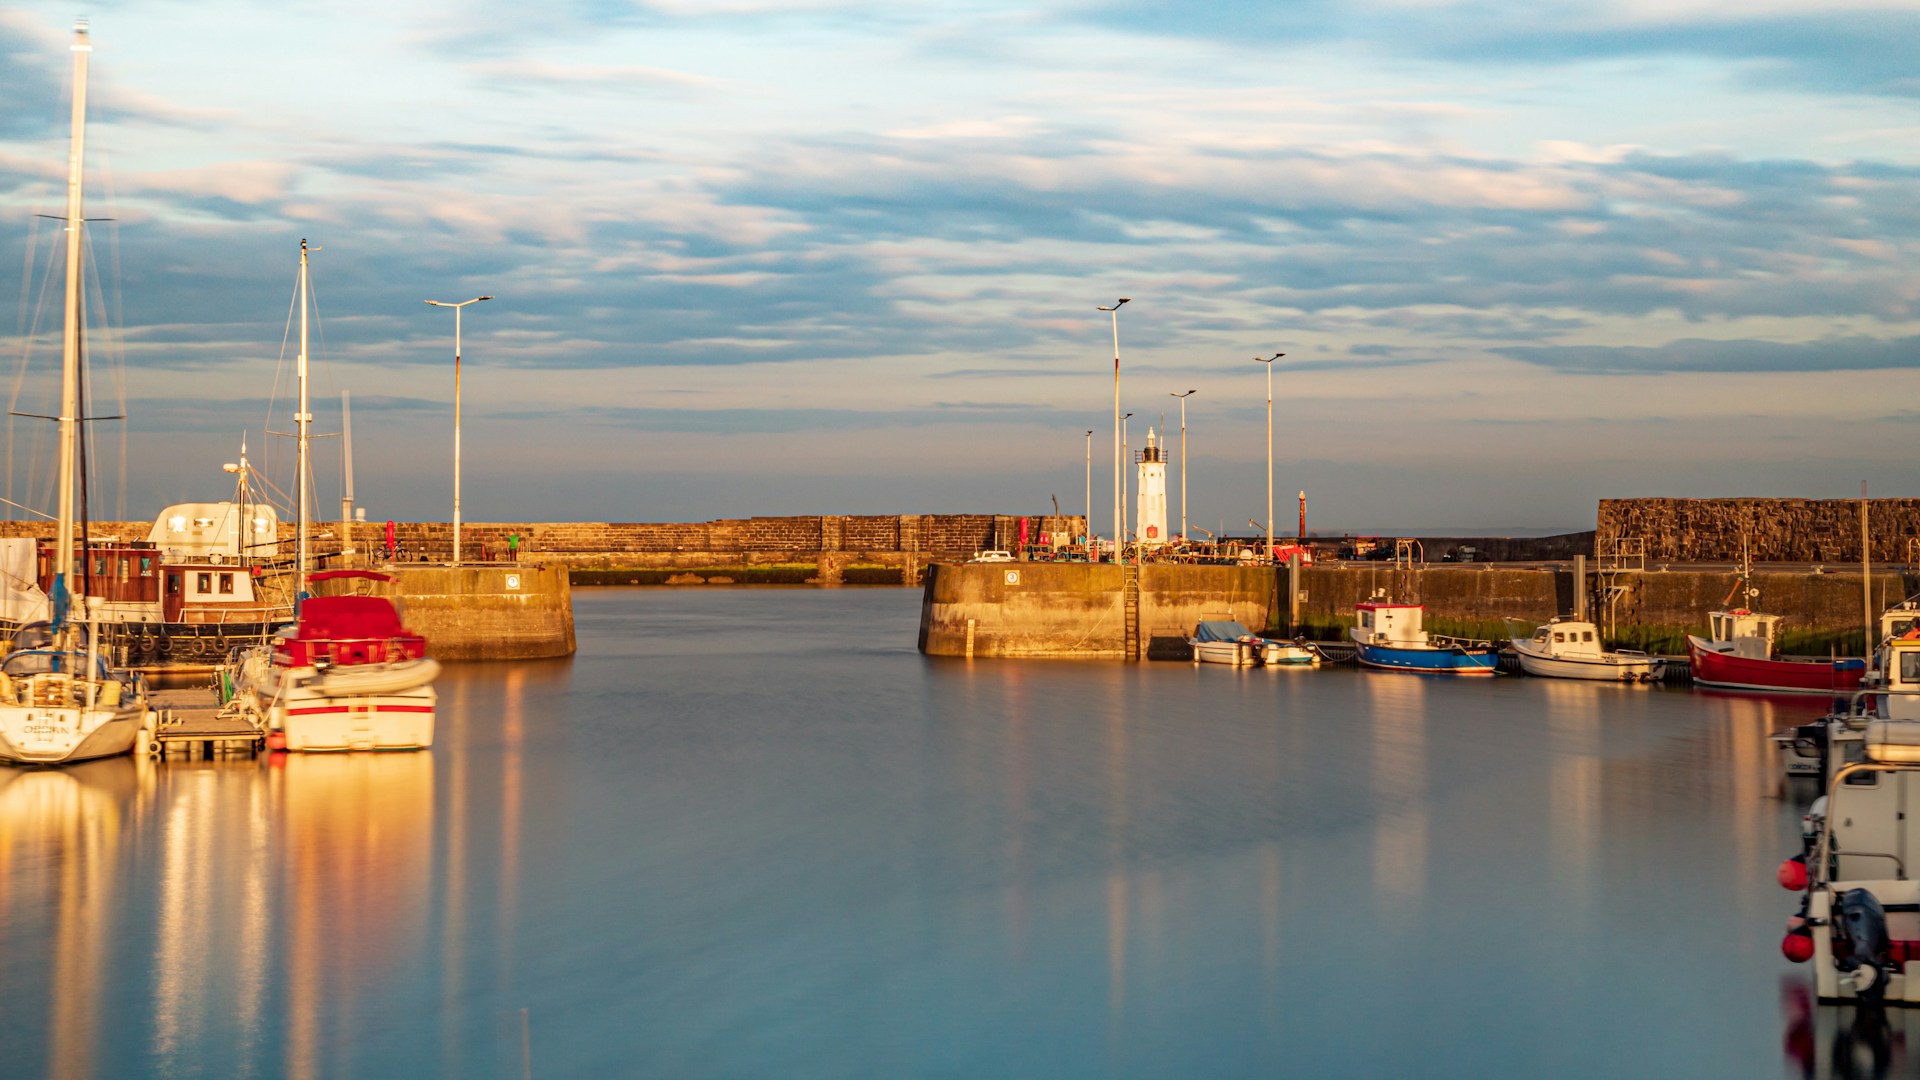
x,y
1126,448
456,413
1183,458
1118,508
1089,527
1269,362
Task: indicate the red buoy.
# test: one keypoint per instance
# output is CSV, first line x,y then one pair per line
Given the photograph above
x,y
1797,947
1793,874
277,740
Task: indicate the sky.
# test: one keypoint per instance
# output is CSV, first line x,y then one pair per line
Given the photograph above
x,y
758,257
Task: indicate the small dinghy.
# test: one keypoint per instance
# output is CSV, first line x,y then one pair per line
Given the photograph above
x,y
1223,641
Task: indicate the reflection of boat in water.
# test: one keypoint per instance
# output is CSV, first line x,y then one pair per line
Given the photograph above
x,y
53,799
1570,649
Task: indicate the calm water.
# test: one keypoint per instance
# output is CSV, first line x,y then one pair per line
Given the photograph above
x,y
752,833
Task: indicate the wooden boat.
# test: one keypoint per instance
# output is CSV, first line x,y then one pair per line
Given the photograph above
x,y
1569,649
59,700
1739,655
1389,636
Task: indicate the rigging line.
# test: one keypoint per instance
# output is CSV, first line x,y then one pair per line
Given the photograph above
x,y
20,334
38,444
116,356
118,318
279,369
320,325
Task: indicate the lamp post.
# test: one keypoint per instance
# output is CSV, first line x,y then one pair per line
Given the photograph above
x,y
1089,537
456,413
1126,452
1183,459
1118,508
1269,362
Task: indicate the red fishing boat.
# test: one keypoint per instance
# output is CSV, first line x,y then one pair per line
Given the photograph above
x,y
1739,656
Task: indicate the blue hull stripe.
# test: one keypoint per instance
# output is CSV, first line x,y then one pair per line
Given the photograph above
x,y
1438,661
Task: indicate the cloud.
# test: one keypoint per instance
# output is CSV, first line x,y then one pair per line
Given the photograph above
x,y
1703,355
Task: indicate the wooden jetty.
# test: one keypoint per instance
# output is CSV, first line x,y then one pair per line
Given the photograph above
x,y
186,719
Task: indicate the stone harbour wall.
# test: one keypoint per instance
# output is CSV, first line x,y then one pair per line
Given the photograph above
x,y
1773,530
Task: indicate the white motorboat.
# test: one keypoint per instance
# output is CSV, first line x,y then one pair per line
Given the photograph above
x,y
1288,653
59,701
1859,919
1569,649
1223,641
346,676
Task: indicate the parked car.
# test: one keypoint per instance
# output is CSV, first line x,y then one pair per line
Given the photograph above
x,y
992,556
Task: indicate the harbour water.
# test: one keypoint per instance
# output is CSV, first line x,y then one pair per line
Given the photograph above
x,y
751,833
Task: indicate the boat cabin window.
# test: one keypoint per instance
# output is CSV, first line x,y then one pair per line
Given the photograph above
x,y
1586,635
100,566
1559,637
126,569
1909,666
226,584
203,583
1366,618
1864,778
173,584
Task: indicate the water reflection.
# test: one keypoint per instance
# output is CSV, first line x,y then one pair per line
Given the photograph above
x,y
1835,1042
355,858
1400,787
60,853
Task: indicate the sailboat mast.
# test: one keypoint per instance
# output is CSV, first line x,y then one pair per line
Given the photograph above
x,y
70,359
300,419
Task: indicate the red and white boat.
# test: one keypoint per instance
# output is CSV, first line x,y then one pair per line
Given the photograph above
x,y
1739,656
346,676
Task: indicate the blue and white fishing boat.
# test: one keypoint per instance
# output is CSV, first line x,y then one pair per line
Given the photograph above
x,y
1389,636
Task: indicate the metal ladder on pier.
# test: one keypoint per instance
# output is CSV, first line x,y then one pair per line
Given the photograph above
x,y
1130,604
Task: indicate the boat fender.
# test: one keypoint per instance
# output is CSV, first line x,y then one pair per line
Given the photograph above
x,y
1797,946
1792,874
276,740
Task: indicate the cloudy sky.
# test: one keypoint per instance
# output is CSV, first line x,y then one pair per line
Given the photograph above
x,y
778,256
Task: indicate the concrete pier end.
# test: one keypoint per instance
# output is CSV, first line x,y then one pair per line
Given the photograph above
x,y
483,611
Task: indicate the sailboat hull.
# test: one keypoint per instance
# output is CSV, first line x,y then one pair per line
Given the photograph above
x,y
56,736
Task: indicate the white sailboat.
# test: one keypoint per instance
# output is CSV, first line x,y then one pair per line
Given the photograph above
x,y
59,701
347,675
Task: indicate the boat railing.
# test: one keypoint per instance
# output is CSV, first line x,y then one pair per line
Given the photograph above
x,y
1445,642
1899,865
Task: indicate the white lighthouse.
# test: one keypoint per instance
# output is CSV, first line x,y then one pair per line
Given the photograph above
x,y
1150,522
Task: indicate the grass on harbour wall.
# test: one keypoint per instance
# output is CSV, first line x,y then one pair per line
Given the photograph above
x,y
760,574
